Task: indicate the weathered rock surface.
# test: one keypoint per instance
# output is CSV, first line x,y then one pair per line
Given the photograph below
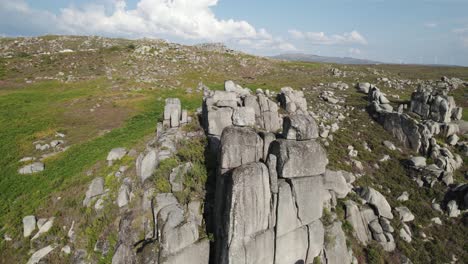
x,y
240,145
95,189
29,225
300,127
299,158
32,168
377,200
40,254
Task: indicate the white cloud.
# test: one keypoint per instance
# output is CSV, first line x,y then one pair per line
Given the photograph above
x,y
192,20
320,38
354,51
460,30
431,25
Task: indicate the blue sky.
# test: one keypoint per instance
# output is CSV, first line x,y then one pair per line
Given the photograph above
x,y
397,31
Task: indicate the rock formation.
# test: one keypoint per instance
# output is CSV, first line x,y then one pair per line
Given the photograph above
x,y
272,186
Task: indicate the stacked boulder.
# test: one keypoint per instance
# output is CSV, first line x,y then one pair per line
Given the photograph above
x,y
272,187
237,106
174,116
434,104
436,111
372,220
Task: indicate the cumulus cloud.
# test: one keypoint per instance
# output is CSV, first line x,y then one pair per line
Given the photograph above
x,y
191,20
320,38
354,51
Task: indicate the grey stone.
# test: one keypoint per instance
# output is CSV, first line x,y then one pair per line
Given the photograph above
x,y
316,240
375,227
354,217
230,86
405,214
271,163
29,225
386,225
96,188
336,182
300,127
310,195
405,233
197,253
292,100
292,247
403,197
376,199
436,220
123,198
40,254
240,145
116,154
146,164
336,250
32,168
245,218
452,209
244,116
259,249
44,228
389,145
299,158
177,176
418,161
172,111
218,119
287,217
363,87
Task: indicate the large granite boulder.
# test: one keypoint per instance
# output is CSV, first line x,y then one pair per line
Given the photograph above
x,y
292,247
292,100
217,119
299,158
247,209
240,145
358,222
197,253
300,127
336,251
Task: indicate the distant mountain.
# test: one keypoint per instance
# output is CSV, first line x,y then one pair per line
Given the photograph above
x,y
316,58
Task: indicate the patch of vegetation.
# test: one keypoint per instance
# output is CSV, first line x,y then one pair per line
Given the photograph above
x,y
374,254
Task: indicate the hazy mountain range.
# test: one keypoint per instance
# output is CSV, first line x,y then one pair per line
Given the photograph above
x,y
316,58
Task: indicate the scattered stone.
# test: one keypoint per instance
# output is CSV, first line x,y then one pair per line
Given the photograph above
x,y
29,225
452,209
32,168
40,254
96,188
436,220
403,197
417,161
405,214
389,145
44,228
116,154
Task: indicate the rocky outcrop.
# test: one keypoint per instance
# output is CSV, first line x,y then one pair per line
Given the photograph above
x,y
436,111
236,106
174,116
272,189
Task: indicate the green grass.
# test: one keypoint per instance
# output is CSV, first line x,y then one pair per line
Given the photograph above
x,y
29,111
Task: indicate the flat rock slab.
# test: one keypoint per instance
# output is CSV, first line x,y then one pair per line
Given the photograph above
x,y
32,168
299,158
